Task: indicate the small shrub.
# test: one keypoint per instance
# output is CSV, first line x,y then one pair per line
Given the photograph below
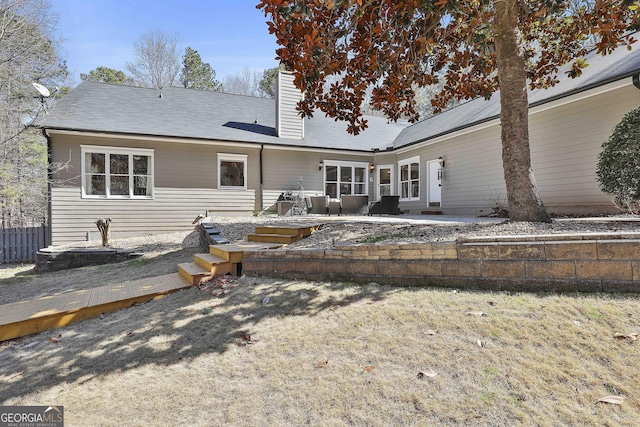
x,y
373,239
499,205
618,171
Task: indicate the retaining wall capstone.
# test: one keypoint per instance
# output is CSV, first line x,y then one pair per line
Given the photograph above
x,y
552,263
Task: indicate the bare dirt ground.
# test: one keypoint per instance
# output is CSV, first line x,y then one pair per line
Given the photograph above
x,y
256,351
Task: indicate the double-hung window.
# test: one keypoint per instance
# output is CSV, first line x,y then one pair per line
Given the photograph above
x,y
345,178
409,171
115,172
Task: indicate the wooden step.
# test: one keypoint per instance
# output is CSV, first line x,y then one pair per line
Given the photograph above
x,y
284,239
301,230
234,252
213,263
267,229
193,272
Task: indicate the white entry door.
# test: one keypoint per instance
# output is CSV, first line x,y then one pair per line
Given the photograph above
x,y
434,184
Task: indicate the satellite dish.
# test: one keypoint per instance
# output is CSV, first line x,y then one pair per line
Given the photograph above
x,y
41,89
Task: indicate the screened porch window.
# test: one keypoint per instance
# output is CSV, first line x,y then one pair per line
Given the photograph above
x,y
113,172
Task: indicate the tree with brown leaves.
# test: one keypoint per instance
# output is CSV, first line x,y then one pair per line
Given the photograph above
x,y
475,46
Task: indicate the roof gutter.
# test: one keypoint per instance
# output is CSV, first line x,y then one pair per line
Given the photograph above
x,y
49,237
196,140
261,180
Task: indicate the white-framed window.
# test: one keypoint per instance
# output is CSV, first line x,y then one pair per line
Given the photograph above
x,y
117,172
232,171
409,178
345,178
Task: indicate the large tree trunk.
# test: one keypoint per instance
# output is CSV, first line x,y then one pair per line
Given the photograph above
x,y
524,201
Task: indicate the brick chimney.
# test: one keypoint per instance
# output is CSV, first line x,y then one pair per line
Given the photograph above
x,y
289,124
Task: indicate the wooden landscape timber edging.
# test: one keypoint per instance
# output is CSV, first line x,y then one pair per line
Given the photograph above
x,y
558,263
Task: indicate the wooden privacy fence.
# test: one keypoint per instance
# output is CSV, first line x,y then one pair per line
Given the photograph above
x,y
22,244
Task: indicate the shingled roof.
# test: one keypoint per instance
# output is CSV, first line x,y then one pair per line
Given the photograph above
x,y
621,64
187,113
194,114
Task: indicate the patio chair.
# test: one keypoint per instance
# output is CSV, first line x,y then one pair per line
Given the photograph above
x,y
355,204
319,205
388,205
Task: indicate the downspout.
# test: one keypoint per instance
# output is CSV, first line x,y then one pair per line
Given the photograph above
x,y
636,80
49,179
261,181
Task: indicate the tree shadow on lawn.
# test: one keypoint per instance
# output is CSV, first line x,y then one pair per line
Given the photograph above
x,y
29,284
182,326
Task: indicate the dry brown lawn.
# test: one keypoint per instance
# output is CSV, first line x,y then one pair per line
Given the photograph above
x,y
328,354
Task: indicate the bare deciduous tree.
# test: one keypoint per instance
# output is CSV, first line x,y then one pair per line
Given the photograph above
x,y
28,54
246,82
157,60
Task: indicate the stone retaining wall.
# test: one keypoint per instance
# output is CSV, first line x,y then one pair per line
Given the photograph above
x,y
53,259
548,263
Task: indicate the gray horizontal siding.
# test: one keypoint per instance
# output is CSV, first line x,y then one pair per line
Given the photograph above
x,y
472,177
172,209
565,145
565,142
176,165
282,169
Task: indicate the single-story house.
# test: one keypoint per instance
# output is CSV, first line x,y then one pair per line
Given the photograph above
x,y
152,160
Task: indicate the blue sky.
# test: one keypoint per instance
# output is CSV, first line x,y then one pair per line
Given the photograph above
x,y
229,34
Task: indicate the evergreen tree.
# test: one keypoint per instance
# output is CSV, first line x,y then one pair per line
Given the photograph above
x,y
197,74
618,171
107,75
268,85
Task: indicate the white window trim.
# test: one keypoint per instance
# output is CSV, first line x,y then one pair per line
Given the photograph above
x,y
392,175
116,150
225,157
339,163
408,161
